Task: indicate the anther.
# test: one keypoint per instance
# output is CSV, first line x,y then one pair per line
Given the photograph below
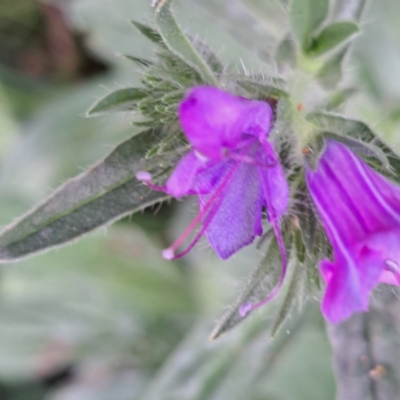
x,y
144,176
245,309
168,254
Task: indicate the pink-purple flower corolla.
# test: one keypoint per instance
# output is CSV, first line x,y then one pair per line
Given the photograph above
x,y
360,211
233,169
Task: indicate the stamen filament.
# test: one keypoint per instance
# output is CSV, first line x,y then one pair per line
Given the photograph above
x,y
171,249
249,307
146,177
198,235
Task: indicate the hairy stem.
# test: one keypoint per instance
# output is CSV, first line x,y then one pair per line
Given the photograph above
x,y
367,350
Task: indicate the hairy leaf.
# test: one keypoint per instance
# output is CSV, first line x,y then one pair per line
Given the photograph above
x,y
120,100
306,16
149,33
361,148
341,126
286,53
261,282
266,87
139,61
330,75
179,44
99,196
294,294
333,36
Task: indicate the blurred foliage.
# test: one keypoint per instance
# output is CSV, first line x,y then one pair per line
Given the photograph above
x,y
107,318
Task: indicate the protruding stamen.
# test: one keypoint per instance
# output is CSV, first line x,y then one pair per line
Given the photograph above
x,y
199,234
249,307
392,266
245,309
168,254
146,178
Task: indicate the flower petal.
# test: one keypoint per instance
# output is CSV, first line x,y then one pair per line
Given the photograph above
x,y
359,211
275,182
181,180
214,120
390,278
344,294
209,177
347,191
237,220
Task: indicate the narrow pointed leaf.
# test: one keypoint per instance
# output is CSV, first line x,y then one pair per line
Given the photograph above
x,y
149,33
333,36
293,295
269,87
286,53
179,44
120,100
306,16
339,98
330,75
307,220
99,196
361,148
139,61
261,282
341,126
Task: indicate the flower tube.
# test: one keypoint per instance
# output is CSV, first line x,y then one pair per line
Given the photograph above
x,y
360,211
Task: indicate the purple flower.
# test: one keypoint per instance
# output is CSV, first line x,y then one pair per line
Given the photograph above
x,y
360,210
233,169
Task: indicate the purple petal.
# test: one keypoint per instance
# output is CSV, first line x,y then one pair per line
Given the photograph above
x,y
181,180
214,120
359,211
343,294
238,217
208,178
390,278
346,186
274,181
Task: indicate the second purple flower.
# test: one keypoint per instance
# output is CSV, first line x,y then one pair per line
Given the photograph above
x,y
360,211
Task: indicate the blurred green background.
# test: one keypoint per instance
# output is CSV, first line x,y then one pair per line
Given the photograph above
x,y
107,317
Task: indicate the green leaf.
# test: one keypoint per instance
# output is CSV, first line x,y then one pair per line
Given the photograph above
x,y
332,36
330,75
339,98
99,196
341,126
286,53
264,86
139,61
120,100
179,44
261,282
306,16
307,219
149,33
294,294
361,148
